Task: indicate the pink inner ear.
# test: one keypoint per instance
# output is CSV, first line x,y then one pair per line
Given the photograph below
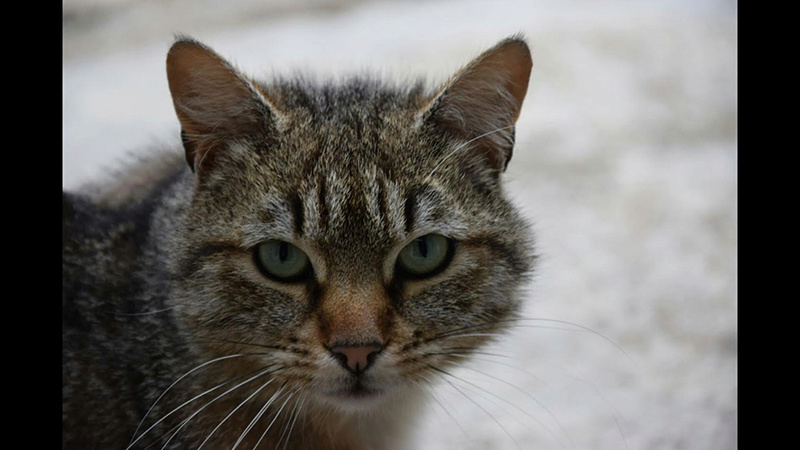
x,y
515,59
209,95
488,93
212,100
483,101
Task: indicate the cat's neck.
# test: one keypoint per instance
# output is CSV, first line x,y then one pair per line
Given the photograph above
x,y
389,427
298,423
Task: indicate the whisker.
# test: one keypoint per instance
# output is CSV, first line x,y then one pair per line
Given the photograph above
x,y
299,410
550,432
475,403
285,426
534,376
223,358
179,425
164,417
514,322
470,328
459,147
258,416
274,419
306,418
430,393
617,415
584,328
473,335
473,351
444,334
552,416
292,418
251,344
187,420
234,410
148,313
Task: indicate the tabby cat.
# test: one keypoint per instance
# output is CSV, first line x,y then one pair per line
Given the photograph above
x,y
303,269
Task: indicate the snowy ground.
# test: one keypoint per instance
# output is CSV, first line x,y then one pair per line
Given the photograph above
x,y
626,163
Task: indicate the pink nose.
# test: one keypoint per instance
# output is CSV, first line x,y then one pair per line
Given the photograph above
x,y
356,358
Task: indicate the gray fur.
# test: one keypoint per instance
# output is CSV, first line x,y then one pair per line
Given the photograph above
x,y
159,276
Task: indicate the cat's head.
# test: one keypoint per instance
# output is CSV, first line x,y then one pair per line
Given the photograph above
x,y
352,238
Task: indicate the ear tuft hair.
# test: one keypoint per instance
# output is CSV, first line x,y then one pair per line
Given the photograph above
x,y
212,99
483,100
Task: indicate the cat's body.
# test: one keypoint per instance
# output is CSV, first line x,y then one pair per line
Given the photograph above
x,y
328,252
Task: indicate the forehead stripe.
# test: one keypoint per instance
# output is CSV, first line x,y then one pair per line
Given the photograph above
x,y
408,210
296,206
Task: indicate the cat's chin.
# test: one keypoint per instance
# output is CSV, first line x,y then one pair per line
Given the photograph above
x,y
358,399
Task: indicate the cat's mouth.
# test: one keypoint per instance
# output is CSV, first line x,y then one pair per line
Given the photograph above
x,y
356,397
356,390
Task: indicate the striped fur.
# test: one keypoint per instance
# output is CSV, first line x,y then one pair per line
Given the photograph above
x,y
160,280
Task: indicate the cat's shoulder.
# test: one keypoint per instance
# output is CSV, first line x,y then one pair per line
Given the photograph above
x,y
139,178
108,222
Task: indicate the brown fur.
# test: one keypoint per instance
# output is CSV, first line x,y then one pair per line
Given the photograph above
x,y
162,282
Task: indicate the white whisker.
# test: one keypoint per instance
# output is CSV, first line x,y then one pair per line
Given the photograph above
x,y
291,427
274,419
148,313
258,416
580,328
177,409
544,383
617,415
552,416
187,420
171,386
441,161
233,411
477,404
473,334
430,393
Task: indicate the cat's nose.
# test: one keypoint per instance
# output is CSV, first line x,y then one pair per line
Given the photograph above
x,y
356,358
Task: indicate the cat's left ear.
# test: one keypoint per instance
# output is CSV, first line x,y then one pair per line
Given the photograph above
x,y
213,100
482,102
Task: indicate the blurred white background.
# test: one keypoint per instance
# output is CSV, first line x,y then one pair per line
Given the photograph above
x,y
626,162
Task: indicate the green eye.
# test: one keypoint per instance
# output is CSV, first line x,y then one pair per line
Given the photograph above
x,y
425,256
282,261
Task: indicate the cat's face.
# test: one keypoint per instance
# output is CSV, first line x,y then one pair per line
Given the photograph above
x,y
352,240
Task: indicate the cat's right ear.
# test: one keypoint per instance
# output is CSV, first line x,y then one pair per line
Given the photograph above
x,y
481,103
213,101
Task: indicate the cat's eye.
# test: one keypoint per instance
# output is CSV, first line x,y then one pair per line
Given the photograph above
x,y
425,256
282,261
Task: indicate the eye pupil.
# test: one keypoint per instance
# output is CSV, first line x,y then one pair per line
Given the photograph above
x,y
282,261
423,247
425,256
